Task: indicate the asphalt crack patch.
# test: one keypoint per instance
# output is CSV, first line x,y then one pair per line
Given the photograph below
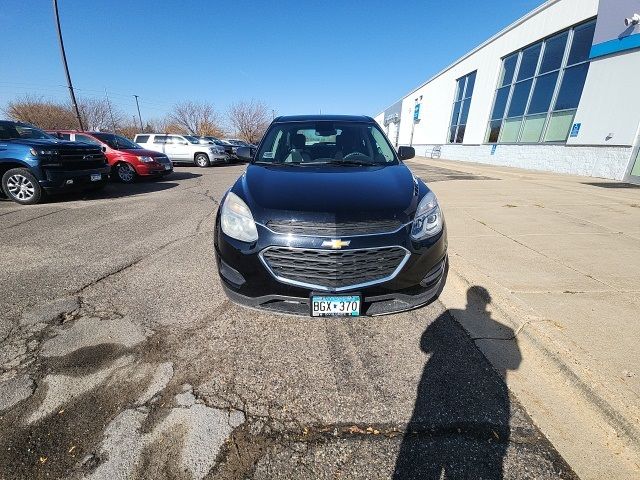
x,y
132,263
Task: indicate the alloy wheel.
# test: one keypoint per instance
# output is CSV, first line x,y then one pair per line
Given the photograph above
x,y
202,161
20,187
126,173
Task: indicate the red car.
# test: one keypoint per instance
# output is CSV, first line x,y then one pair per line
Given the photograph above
x,y
128,160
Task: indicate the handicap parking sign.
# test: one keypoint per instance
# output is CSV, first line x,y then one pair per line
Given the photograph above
x,y
575,129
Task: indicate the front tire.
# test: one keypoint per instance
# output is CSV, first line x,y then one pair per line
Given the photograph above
x,y
125,173
202,160
21,186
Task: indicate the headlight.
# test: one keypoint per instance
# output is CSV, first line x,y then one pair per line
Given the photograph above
x,y
43,152
216,150
428,219
145,159
236,219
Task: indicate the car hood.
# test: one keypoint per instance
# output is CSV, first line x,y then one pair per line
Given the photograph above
x,y
142,152
43,142
328,193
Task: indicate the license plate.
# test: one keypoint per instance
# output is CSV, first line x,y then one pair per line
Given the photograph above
x,y
167,167
335,305
96,177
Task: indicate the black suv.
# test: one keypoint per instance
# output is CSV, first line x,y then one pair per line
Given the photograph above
x,y
33,163
327,220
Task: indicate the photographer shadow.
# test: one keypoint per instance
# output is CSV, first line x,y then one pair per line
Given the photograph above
x,y
460,423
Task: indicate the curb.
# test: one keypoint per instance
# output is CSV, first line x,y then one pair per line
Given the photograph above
x,y
593,429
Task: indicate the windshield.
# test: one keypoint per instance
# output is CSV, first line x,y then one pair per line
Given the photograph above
x,y
191,139
116,141
9,131
320,142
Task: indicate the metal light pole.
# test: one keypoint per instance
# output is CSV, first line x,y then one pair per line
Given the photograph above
x,y
66,67
139,116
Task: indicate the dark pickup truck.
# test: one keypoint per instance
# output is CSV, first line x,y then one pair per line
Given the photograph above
x,y
33,163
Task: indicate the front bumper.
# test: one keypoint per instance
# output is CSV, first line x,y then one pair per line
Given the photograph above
x,y
247,281
219,157
155,168
54,180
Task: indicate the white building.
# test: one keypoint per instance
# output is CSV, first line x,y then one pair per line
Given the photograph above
x,y
558,90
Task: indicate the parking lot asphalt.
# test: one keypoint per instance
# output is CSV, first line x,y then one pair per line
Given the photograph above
x,y
121,357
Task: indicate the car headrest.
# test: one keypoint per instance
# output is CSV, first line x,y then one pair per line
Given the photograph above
x,y
298,141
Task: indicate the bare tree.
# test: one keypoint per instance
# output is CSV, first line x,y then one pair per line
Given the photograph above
x,y
194,118
249,119
97,114
42,113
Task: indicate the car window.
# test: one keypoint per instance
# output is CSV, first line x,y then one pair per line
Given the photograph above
x,y
9,130
160,139
326,142
142,138
86,139
64,136
117,142
381,145
175,140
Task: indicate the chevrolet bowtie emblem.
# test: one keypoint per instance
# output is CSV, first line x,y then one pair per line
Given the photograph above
x,y
336,243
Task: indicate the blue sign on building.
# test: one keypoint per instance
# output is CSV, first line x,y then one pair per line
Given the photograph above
x,y
416,113
575,129
616,28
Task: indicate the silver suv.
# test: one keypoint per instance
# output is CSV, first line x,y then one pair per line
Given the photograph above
x,y
183,148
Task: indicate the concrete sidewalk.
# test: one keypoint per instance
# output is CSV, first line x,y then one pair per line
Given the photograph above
x,y
560,257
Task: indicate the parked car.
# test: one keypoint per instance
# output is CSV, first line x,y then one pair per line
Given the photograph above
x,y
127,159
328,221
237,143
228,148
33,163
182,148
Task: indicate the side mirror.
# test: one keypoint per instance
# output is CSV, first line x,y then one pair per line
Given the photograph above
x,y
244,153
405,153
104,149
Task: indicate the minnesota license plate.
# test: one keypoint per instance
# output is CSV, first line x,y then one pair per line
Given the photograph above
x,y
96,177
335,305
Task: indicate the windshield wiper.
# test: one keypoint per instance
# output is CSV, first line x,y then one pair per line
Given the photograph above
x,y
350,163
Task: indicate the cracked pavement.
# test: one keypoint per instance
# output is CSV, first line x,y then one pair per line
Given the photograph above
x,y
120,357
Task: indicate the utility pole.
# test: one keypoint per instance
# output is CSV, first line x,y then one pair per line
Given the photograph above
x,y
66,67
113,122
139,116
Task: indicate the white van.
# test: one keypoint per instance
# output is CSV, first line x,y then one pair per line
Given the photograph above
x,y
183,148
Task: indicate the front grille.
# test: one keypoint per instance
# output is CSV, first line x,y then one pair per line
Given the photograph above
x,y
77,158
346,229
332,269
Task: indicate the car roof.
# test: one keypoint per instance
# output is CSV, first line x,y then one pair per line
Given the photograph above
x,y
77,131
176,134
326,118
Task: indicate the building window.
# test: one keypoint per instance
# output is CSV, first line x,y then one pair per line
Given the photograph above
x,y
461,104
540,87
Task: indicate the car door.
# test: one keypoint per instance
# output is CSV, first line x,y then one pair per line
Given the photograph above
x,y
177,149
156,143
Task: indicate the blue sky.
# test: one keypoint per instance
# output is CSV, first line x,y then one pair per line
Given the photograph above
x,y
296,56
